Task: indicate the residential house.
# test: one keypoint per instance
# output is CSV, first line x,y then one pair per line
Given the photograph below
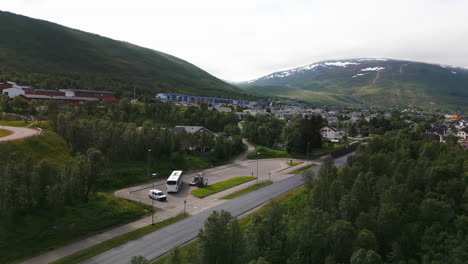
x,y
330,133
199,132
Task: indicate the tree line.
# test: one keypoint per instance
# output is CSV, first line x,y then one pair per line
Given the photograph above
x,y
400,199
293,136
27,185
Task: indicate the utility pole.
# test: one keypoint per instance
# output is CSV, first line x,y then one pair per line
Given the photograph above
x,y
258,153
308,153
152,200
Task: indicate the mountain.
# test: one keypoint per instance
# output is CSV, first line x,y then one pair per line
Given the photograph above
x,y
47,55
368,81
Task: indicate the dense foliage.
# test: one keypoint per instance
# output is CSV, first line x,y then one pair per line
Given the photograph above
x,y
50,56
400,199
119,132
271,132
28,183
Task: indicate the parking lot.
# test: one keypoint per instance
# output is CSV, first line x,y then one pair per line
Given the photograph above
x,y
273,169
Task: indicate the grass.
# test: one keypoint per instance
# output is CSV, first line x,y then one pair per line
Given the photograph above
x,y
190,250
294,163
44,230
4,133
220,186
301,169
47,147
267,153
15,123
117,241
247,190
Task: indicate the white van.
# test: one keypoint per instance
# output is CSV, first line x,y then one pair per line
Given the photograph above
x,y
156,195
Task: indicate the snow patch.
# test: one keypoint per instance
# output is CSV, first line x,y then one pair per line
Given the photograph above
x,y
453,72
378,68
378,59
359,74
341,64
308,67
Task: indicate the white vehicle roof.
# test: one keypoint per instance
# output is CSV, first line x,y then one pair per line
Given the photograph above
x,y
175,175
154,190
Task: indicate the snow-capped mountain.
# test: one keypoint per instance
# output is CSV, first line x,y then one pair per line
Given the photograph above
x,y
368,80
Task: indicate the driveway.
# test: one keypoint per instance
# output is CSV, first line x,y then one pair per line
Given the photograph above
x,y
18,133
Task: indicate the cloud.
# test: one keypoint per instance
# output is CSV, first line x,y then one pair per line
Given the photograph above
x,y
245,39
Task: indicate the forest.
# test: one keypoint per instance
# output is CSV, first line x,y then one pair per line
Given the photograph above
x,y
400,199
293,137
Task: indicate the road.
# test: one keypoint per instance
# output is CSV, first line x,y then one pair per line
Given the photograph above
x,y
18,133
162,241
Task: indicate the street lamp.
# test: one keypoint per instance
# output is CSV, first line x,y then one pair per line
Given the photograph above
x,y
258,153
152,200
230,149
308,152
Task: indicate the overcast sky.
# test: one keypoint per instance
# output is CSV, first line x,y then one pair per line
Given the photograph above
x,y
239,40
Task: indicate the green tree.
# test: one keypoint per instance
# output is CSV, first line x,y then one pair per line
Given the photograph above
x,y
221,239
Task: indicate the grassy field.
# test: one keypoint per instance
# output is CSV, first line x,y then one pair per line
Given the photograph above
x,y
4,133
50,147
117,241
247,190
220,186
267,153
45,230
301,169
190,250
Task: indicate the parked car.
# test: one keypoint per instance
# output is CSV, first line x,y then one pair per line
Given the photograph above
x,y
157,195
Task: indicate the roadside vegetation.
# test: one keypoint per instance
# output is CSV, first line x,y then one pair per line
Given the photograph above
x,y
401,198
46,229
247,190
304,168
294,163
190,251
220,186
117,241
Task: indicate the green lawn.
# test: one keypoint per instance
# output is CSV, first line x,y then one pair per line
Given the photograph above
x,y
190,250
294,163
220,186
117,241
301,169
50,147
4,133
247,190
267,153
15,123
44,230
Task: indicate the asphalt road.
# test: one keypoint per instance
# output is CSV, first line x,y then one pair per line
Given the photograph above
x,y
162,241
18,133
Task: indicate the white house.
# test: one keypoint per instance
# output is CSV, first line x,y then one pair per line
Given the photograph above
x,y
13,92
330,133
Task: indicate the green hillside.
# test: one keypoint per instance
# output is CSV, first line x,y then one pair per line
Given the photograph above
x,y
47,55
368,81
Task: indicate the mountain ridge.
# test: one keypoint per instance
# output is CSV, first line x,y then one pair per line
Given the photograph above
x,y
47,55
374,81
